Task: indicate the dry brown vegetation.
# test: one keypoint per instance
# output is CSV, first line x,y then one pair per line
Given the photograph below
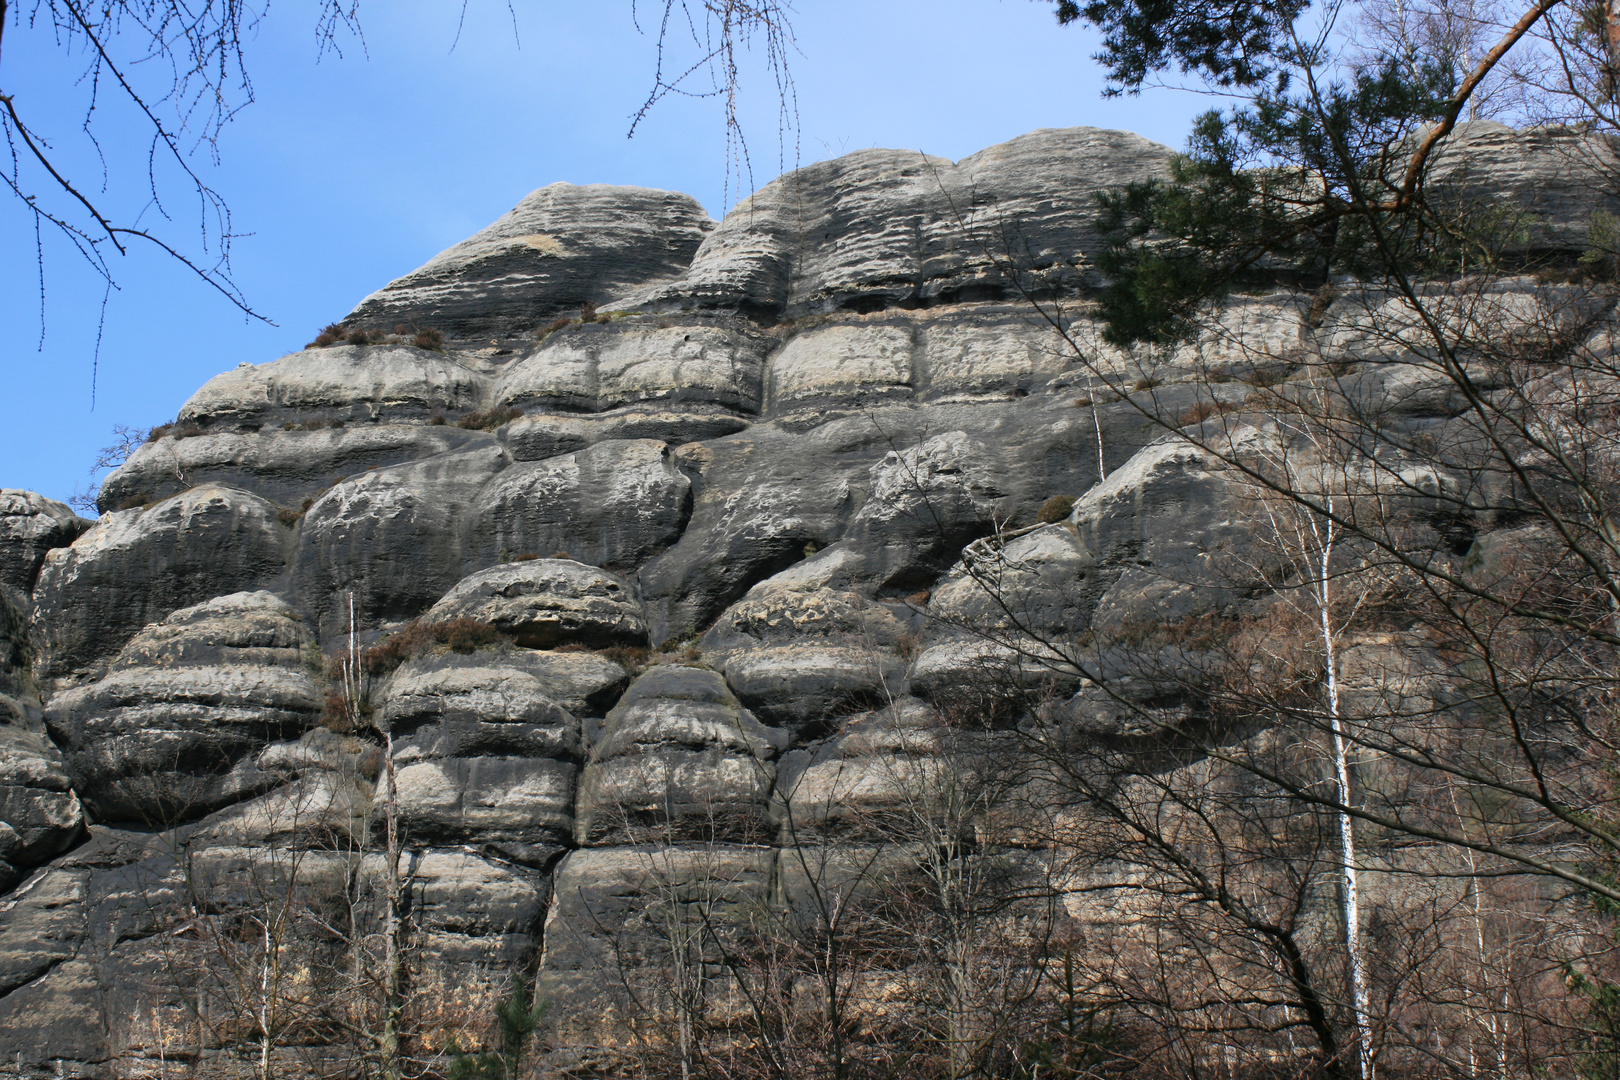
x,y
489,419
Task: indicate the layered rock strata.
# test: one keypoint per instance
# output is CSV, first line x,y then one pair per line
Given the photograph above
x,y
671,584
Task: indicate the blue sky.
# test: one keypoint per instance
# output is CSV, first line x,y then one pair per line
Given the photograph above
x,y
348,172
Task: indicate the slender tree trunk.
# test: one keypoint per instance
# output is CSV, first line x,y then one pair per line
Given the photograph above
x,y
1476,911
393,954
1350,898
393,989
1096,424
265,984
1611,12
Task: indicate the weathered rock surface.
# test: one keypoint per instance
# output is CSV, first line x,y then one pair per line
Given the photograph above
x,y
800,655
16,663
483,749
321,789
393,537
1547,181
856,785
285,467
30,526
612,504
40,816
480,917
1174,527
811,454
1165,533
49,1001
546,602
169,733
881,228
595,366
353,383
543,435
497,800
623,909
678,759
885,510
137,566
494,702
562,246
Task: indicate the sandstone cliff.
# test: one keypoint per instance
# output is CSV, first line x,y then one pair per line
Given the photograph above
x,y
717,527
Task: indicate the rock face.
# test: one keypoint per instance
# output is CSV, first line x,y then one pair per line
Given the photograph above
x,y
612,504
169,733
679,759
802,656
30,526
677,617
345,382
137,566
287,469
1548,181
395,538
560,247
881,228
487,751
544,602
593,367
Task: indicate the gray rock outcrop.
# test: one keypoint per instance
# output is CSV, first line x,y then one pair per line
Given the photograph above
x,y
30,526
678,759
393,537
801,656
593,367
544,602
1545,182
880,228
561,247
673,623
353,383
137,566
285,467
611,504
485,749
170,732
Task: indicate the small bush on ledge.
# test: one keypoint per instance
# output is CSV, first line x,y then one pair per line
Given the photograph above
x,y
489,419
1055,509
553,326
331,334
177,430
336,334
420,638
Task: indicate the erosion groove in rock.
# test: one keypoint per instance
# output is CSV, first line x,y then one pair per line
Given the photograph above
x,y
659,633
